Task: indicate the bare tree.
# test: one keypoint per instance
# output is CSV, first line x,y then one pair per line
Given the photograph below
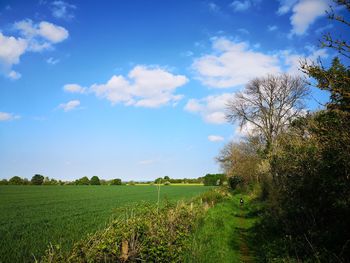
x,y
269,104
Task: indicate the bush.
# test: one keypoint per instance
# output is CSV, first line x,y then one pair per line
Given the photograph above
x,y
95,180
310,184
4,182
234,181
16,180
167,183
116,182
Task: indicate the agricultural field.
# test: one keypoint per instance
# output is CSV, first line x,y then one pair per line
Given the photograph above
x,y
32,217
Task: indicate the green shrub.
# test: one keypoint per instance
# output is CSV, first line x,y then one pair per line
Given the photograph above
x,y
234,181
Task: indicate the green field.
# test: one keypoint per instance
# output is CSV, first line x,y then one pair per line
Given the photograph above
x,y
31,217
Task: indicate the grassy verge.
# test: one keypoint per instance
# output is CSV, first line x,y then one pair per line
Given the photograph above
x,y
224,234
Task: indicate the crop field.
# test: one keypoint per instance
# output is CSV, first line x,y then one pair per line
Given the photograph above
x,y
32,217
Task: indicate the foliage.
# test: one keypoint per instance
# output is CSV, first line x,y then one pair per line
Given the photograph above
x,y
16,180
336,80
167,183
311,171
234,181
141,233
83,181
37,179
95,180
4,182
116,182
214,179
241,160
29,223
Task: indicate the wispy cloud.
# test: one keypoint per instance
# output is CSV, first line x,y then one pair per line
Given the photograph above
x,y
74,88
147,162
215,138
70,105
272,28
52,61
62,10
239,6
5,116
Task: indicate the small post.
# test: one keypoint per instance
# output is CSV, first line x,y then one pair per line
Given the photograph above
x,y
158,194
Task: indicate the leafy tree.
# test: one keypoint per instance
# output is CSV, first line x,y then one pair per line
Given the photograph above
x,y
4,182
214,179
158,180
16,180
167,178
312,184
241,159
268,104
95,180
37,179
116,181
83,181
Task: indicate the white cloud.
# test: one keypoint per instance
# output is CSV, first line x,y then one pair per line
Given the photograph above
x,y
74,88
52,61
211,109
42,34
143,87
51,32
70,105
5,116
11,49
305,12
240,5
233,64
35,38
215,138
61,9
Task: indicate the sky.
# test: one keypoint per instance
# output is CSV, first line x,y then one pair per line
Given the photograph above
x,y
137,89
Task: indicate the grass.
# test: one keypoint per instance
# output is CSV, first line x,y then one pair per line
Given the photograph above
x,y
223,236
32,217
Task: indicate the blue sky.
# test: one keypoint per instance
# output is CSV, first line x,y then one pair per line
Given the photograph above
x,y
137,89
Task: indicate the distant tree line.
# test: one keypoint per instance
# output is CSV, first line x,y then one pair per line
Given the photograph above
x,y
38,179
167,180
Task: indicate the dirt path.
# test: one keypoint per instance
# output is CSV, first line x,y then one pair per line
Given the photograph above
x,y
243,247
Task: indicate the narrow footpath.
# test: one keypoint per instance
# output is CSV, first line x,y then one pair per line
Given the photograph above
x,y
223,235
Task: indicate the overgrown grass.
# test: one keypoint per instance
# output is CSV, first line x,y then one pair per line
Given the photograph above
x,y
223,235
31,217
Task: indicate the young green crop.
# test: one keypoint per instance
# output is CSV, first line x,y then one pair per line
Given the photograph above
x,y
31,217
